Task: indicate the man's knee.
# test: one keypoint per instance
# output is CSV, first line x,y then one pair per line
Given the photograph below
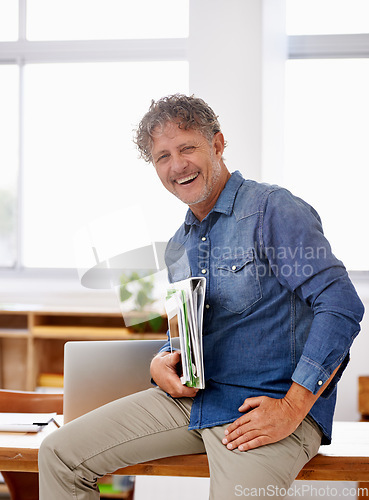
x,y
58,451
48,452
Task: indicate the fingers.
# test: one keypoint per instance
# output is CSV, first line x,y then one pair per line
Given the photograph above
x,y
187,392
164,373
267,420
171,360
235,426
243,437
238,427
175,356
247,432
175,387
235,431
177,390
248,443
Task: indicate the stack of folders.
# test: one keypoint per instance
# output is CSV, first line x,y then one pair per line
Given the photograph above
x,y
185,308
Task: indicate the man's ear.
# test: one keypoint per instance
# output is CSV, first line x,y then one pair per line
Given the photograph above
x,y
218,144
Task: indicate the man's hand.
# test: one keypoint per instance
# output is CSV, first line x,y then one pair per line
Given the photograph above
x,y
267,420
164,372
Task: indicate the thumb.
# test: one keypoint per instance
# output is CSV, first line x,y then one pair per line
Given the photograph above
x,y
249,404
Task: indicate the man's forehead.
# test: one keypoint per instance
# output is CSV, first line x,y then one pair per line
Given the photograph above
x,y
171,130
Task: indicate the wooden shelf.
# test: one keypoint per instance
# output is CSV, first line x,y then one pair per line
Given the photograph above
x,y
32,339
80,332
89,333
14,333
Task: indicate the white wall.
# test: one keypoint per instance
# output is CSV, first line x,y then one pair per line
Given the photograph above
x,y
237,51
225,69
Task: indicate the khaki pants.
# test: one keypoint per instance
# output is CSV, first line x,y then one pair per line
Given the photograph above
x,y
150,425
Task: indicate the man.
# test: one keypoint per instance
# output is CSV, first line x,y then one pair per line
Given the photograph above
x,y
280,317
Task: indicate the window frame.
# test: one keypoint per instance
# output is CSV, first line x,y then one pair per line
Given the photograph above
x,y
23,51
328,46
332,46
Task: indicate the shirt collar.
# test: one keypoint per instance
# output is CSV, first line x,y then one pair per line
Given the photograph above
x,y
225,201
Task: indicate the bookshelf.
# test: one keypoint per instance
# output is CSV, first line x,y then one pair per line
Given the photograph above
x,y
32,339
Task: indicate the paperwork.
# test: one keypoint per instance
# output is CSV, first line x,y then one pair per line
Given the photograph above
x,y
25,422
185,307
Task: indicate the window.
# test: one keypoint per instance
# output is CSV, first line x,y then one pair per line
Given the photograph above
x,y
9,163
8,20
69,158
106,19
314,17
327,106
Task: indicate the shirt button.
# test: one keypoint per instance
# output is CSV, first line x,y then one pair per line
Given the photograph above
x,y
207,306
203,238
203,271
320,382
234,268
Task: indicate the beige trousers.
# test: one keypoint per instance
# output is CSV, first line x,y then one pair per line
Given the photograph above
x,y
150,425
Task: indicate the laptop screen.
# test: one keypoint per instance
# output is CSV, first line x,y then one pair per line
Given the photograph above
x,y
97,372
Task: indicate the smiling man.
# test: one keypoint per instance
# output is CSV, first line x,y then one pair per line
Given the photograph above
x,y
190,167
280,317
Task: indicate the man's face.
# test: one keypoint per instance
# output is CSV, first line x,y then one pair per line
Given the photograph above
x,y
187,165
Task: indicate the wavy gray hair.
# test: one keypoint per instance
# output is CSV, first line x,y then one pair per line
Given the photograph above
x,y
188,112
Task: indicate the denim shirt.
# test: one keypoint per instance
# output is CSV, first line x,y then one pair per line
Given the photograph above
x,y
279,308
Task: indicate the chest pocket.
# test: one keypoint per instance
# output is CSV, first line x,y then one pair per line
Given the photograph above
x,y
238,284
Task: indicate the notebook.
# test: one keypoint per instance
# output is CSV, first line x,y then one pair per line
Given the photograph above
x,y
97,372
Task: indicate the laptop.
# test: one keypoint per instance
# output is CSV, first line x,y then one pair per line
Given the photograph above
x,y
97,372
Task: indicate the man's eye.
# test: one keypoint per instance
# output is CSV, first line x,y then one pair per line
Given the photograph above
x,y
188,149
162,157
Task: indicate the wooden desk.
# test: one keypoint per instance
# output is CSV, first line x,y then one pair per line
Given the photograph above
x,y
347,459
19,451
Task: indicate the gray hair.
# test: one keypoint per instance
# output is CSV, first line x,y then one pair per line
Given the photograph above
x,y
188,112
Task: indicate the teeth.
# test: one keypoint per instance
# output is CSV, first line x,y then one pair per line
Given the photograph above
x,y
186,179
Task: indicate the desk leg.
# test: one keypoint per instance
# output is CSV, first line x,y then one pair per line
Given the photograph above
x,y
22,485
362,491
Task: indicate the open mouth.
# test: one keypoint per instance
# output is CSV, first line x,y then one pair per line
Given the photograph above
x,y
187,180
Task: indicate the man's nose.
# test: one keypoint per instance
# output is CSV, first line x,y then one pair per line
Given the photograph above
x,y
179,163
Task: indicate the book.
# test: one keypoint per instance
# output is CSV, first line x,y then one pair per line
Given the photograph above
x,y
50,380
184,306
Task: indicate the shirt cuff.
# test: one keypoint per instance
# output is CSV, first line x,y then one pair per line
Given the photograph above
x,y
165,348
313,376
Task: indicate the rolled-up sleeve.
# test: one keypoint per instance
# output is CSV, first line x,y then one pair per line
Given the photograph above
x,y
301,258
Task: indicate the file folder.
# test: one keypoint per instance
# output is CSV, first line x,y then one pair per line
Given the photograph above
x,y
184,306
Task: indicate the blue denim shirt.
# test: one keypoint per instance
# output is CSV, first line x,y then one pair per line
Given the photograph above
x,y
280,307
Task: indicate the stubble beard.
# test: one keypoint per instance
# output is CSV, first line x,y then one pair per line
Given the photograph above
x,y
208,188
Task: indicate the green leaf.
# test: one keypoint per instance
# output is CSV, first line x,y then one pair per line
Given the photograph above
x,y
156,323
141,299
124,294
